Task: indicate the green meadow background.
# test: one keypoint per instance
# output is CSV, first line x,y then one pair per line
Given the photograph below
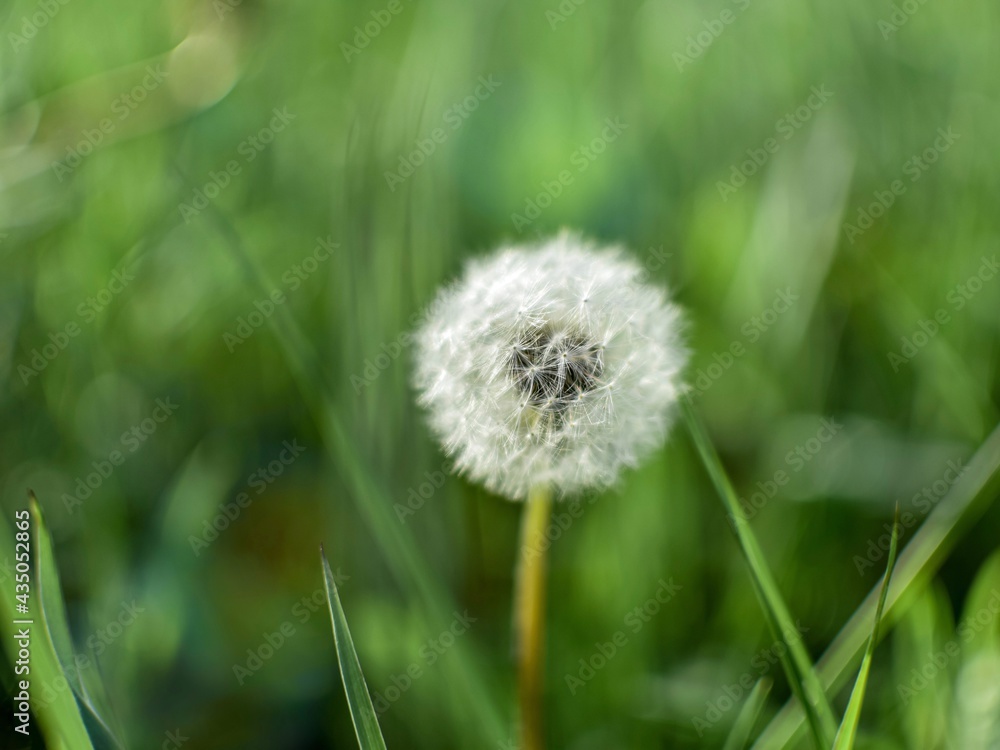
x,y
219,221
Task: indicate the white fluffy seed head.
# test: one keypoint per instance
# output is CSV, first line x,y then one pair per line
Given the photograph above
x,y
554,364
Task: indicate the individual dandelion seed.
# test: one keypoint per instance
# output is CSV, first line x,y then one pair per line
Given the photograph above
x,y
551,365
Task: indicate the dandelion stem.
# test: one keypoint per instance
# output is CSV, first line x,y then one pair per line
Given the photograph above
x,y
529,615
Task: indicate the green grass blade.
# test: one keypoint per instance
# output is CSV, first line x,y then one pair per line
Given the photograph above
x,y
967,501
848,732
796,662
53,614
362,711
749,713
60,717
49,593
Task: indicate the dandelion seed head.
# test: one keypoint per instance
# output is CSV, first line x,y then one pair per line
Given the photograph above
x,y
550,364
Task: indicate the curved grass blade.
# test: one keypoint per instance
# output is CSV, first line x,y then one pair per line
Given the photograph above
x,y
740,733
848,732
49,594
362,711
85,684
968,500
796,661
59,717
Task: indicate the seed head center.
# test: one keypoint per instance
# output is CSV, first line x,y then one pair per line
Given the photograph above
x,y
555,369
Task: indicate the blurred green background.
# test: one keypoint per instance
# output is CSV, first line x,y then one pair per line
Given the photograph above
x,y
346,158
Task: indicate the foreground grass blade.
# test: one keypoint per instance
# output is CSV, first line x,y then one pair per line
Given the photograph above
x,y
53,611
49,593
971,496
848,731
59,717
362,711
796,662
740,733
